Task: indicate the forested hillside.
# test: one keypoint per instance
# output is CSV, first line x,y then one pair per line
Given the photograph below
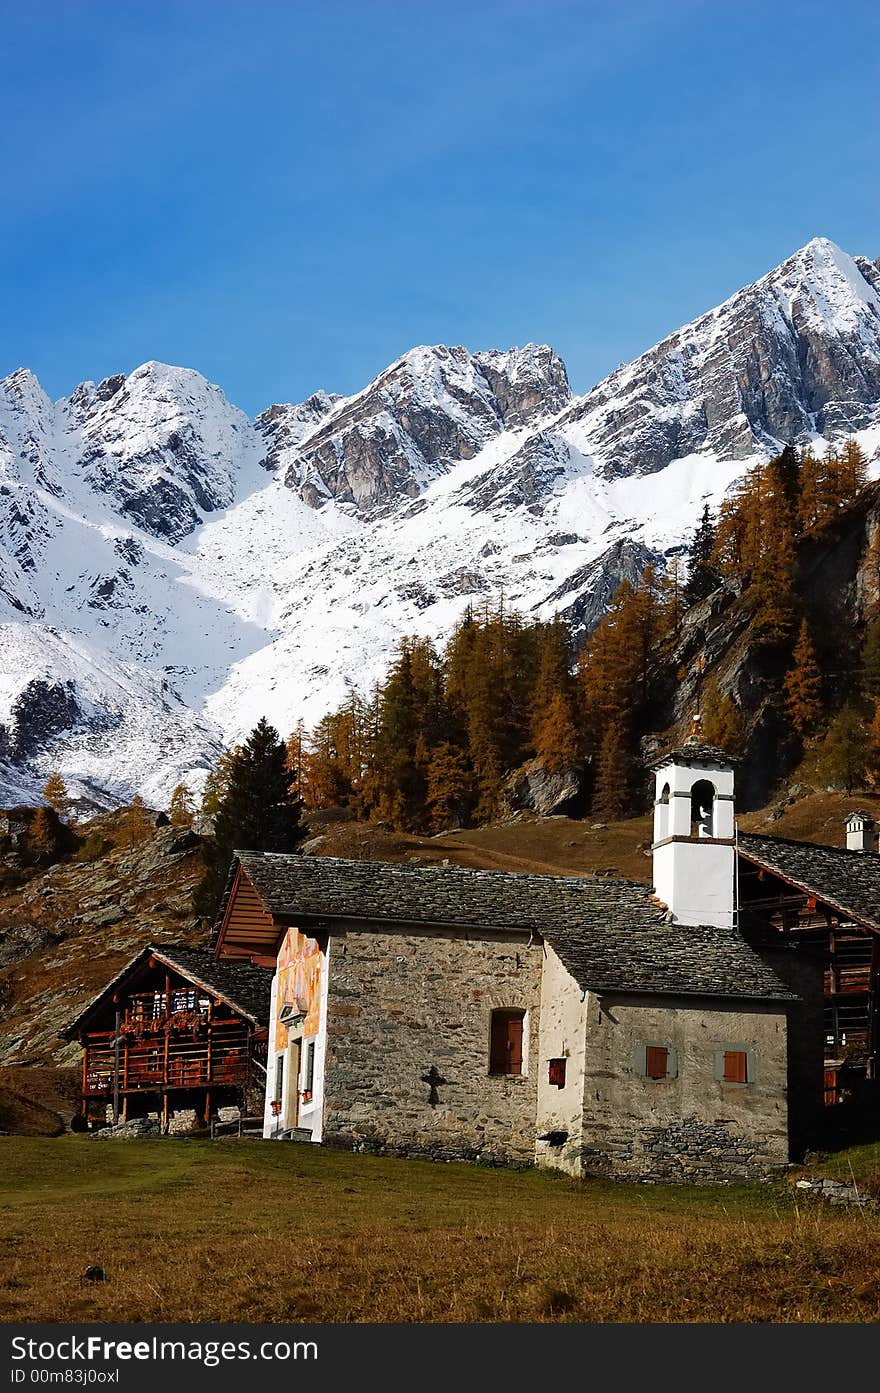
x,y
769,625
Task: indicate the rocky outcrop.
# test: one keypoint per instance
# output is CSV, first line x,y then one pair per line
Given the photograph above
x,y
550,793
65,932
585,595
430,409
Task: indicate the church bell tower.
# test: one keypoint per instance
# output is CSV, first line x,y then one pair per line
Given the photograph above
x,y
694,847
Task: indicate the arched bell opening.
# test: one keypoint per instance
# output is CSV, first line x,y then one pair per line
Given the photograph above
x,y
662,814
703,809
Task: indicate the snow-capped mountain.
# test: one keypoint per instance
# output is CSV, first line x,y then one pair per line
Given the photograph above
x,y
170,570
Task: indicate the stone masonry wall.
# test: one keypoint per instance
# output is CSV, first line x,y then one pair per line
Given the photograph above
x,y
691,1127
402,1001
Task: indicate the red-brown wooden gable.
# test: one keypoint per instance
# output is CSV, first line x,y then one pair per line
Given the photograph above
x,y
248,929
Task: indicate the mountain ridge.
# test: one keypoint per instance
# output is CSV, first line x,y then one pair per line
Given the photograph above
x,y
170,570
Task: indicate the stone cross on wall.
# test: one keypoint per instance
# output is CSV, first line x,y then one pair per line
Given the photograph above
x,y
432,1079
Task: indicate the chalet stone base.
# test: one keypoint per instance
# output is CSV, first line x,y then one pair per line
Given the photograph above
x,y
682,1152
184,1122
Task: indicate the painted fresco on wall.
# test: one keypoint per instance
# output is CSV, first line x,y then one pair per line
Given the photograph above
x,y
299,980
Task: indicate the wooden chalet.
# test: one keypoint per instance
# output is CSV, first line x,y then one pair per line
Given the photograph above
x,y
826,899
175,1030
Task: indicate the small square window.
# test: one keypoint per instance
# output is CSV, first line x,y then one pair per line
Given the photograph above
x,y
654,1061
736,1066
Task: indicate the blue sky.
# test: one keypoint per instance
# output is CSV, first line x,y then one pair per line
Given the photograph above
x,y
287,196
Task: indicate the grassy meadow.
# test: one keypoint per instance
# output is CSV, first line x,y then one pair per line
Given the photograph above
x,y
249,1231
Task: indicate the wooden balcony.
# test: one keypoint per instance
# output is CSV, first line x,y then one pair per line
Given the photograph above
x,y
167,1057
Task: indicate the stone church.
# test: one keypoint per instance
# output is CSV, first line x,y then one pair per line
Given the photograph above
x,y
589,1024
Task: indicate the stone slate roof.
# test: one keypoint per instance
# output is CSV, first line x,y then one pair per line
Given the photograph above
x,y
693,754
241,985
847,880
612,935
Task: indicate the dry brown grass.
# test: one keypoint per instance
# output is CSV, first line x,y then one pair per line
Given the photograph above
x,y
818,817
190,1231
546,846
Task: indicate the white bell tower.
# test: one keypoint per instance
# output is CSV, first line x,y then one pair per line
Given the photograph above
x,y
694,847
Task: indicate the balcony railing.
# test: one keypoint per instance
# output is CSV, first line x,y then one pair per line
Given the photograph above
x,y
199,1058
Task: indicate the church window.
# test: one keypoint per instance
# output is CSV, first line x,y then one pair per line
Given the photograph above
x,y
506,1042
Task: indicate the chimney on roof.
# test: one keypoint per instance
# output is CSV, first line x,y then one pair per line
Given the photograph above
x,y
860,832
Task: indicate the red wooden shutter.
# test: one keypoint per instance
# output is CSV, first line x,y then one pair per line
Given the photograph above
x,y
735,1066
505,1051
557,1072
656,1061
514,1044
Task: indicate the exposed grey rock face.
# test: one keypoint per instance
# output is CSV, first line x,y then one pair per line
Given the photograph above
x,y
163,444
284,426
525,480
40,712
136,1127
798,352
548,793
429,410
19,941
585,595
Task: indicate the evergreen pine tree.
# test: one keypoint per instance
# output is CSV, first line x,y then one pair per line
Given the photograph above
x,y
702,575
803,686
852,471
556,735
259,811
772,561
612,793
672,600
813,508
44,834
451,790
784,472
217,782
721,719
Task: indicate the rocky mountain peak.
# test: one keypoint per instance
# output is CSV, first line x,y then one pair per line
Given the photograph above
x,y
793,356
432,408
170,571
162,445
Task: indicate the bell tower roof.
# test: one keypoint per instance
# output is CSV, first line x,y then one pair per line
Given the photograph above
x,y
694,752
